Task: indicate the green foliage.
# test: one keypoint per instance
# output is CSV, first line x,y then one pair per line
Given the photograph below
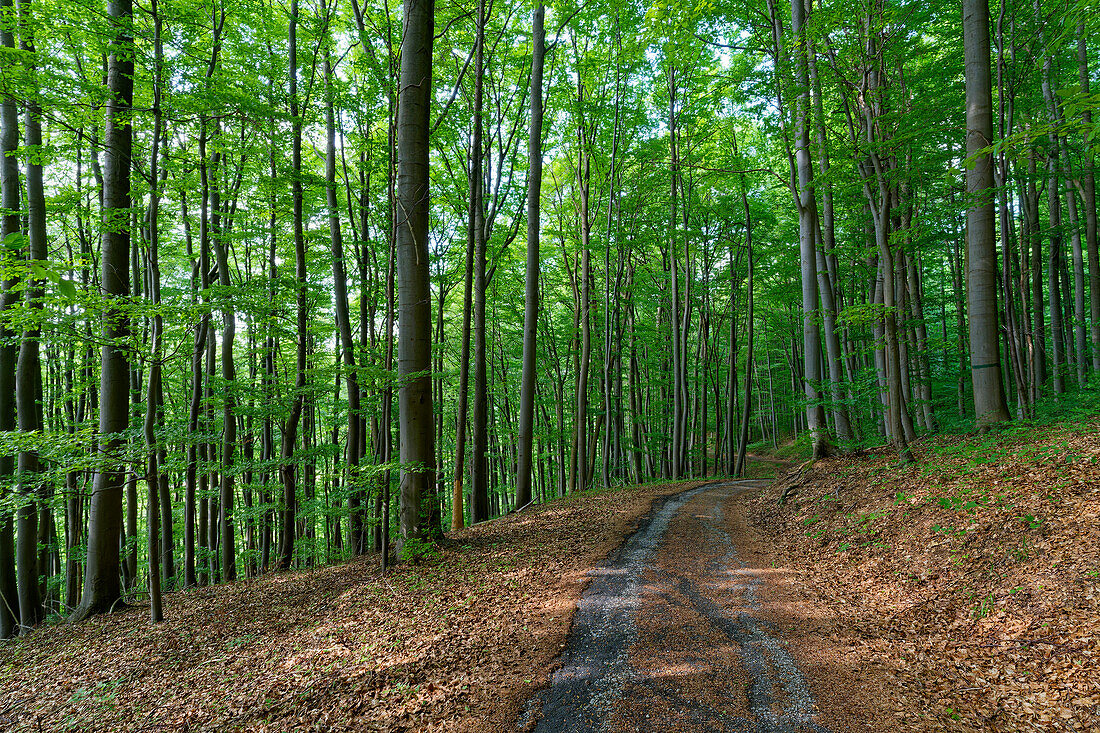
x,y
416,551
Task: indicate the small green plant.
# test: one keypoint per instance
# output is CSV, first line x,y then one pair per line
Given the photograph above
x,y
1021,552
983,607
1031,520
416,551
958,503
241,640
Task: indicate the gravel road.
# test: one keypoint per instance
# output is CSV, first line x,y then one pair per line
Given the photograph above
x,y
669,636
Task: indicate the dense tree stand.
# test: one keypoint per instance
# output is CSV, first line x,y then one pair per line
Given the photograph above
x,y
285,282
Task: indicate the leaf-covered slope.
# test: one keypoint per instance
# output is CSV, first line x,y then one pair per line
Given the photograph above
x,y
972,577
458,643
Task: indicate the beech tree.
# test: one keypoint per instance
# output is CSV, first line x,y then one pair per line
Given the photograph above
x,y
985,366
102,587
414,321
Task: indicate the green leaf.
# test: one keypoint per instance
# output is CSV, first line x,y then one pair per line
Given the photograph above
x,y
67,288
15,241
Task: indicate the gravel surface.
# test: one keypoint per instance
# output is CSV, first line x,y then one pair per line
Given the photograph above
x,y
669,636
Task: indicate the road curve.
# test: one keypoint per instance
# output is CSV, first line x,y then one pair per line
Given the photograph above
x,y
668,637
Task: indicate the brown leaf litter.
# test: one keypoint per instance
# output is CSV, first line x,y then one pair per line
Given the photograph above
x,y
458,644
971,579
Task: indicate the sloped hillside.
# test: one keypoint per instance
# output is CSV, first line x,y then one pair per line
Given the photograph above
x,y
972,577
457,643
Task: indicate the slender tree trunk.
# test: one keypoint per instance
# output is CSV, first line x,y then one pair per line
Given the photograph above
x,y
1088,194
479,468
580,436
531,291
226,536
458,517
746,403
287,468
9,226
343,318
807,215
102,591
608,354
414,347
825,243
678,407
1079,318
154,395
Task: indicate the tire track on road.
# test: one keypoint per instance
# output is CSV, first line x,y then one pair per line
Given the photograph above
x,y
599,680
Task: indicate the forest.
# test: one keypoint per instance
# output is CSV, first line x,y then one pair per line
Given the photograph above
x,y
290,282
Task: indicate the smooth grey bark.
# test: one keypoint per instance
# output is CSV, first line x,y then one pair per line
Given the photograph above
x,y
807,215
102,589
1014,326
346,347
414,292
227,536
981,280
746,403
583,316
154,395
1038,314
1088,195
195,503
9,227
287,469
825,244
28,375
531,286
609,355
479,460
458,516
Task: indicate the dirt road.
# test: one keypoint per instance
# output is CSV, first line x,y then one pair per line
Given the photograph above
x,y
671,635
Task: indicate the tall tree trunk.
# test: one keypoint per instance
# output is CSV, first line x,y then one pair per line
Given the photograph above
x,y
226,538
287,469
580,433
1088,194
458,515
981,282
609,356
807,215
414,322
479,468
531,290
102,590
28,378
746,403
343,318
9,296
154,396
825,243
1073,223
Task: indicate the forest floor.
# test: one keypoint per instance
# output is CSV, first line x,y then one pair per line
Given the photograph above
x,y
457,643
958,594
